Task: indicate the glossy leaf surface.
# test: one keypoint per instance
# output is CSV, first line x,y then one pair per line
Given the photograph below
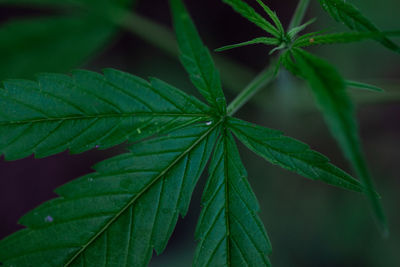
x,y
117,215
88,110
229,231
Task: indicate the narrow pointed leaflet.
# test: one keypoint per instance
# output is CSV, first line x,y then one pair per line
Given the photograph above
x,y
249,13
117,215
291,154
259,40
347,13
339,37
229,231
329,90
88,110
196,58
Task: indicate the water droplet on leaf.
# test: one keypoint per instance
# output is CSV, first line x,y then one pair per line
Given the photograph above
x,y
48,219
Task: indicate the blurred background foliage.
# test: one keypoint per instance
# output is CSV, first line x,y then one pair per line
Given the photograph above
x,y
310,224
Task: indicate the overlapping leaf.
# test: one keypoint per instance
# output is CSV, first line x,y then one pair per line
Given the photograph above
x,y
62,3
329,90
196,58
292,155
117,215
336,38
29,46
229,231
347,13
88,110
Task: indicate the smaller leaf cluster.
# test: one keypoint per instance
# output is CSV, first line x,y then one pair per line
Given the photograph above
x,y
327,85
280,38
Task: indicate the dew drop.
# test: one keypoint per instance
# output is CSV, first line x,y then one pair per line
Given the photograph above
x,y
208,123
138,131
90,179
49,219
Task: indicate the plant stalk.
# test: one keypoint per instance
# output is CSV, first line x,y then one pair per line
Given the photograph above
x,y
299,13
259,82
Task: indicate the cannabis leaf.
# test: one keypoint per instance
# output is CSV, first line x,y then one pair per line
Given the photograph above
x,y
88,110
291,154
279,38
56,3
249,13
117,215
365,86
229,231
196,58
74,38
347,13
329,90
259,40
336,38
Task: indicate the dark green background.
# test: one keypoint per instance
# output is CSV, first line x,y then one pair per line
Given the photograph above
x,y
309,223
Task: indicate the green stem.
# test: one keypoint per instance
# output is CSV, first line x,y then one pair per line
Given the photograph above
x,y
299,13
259,82
269,74
151,32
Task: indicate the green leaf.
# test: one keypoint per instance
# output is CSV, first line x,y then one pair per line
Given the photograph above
x,y
88,110
329,90
287,61
196,58
117,215
273,16
29,46
62,3
291,154
347,13
249,13
259,40
293,32
342,37
229,231
365,86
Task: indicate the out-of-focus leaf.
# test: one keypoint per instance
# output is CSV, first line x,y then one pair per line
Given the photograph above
x,y
347,13
55,44
329,90
63,2
365,86
293,32
340,37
